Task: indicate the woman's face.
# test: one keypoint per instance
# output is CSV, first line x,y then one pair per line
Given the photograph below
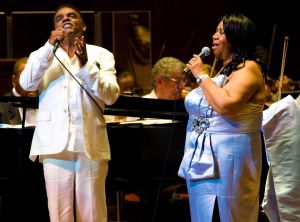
x,y
220,45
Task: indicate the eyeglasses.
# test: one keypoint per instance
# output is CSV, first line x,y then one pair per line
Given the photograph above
x,y
178,80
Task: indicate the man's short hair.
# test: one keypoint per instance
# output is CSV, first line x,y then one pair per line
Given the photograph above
x,y
67,6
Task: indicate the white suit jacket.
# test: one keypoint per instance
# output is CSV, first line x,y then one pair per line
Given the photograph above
x,y
281,125
44,72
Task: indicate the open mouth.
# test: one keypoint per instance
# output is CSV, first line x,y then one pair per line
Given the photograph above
x,y
214,46
67,25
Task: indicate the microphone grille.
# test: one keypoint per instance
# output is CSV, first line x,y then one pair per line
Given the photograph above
x,y
205,51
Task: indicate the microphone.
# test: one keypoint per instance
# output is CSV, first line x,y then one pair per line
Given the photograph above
x,y
205,51
56,45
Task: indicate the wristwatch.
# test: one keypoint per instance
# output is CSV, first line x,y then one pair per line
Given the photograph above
x,y
200,78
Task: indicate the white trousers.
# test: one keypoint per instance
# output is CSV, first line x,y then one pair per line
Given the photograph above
x,y
75,182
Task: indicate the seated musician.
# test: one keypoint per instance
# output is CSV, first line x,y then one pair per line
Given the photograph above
x,y
127,83
286,86
10,114
168,82
128,87
167,79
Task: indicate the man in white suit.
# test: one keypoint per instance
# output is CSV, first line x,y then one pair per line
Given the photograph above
x,y
281,125
75,81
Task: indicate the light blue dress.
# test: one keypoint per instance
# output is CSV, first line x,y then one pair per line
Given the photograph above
x,y
223,162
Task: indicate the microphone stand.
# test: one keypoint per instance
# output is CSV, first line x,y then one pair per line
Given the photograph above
x,y
166,158
24,117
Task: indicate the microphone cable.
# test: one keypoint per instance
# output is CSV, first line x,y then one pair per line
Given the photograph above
x,y
91,97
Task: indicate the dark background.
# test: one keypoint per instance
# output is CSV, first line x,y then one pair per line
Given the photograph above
x,y
181,28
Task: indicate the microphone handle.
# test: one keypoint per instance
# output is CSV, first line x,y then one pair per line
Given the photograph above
x,y
186,70
56,45
201,55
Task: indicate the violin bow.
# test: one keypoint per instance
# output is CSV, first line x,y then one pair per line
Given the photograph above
x,y
285,45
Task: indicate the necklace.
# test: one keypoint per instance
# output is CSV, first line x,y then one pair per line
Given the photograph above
x,y
228,60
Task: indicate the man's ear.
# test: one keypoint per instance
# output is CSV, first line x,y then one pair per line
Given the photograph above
x,y
159,79
13,79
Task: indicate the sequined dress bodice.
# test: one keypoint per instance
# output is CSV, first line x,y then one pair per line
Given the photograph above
x,y
248,119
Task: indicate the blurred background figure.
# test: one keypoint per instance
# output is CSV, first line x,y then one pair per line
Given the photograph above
x,y
288,86
167,79
191,81
126,82
271,90
139,40
10,114
19,91
128,85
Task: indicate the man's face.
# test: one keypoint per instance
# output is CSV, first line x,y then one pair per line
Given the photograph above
x,y
70,21
168,87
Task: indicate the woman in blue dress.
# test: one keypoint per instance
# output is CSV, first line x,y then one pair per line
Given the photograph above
x,y
222,156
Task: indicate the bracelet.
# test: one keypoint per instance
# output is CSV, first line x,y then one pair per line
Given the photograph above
x,y
200,78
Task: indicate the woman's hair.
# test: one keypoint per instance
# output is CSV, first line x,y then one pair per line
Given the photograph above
x,y
241,34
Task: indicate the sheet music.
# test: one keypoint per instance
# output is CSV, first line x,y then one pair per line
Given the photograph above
x,y
3,125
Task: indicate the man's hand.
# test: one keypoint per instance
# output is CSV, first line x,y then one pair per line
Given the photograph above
x,y
58,34
80,51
